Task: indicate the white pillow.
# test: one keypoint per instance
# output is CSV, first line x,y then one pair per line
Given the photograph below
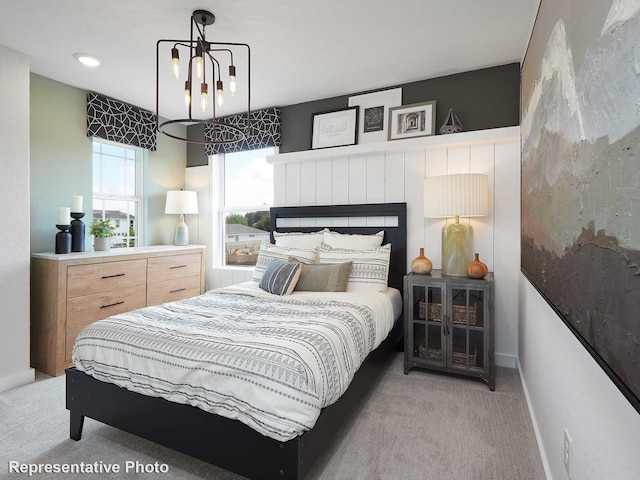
x,y
353,241
269,252
369,270
299,239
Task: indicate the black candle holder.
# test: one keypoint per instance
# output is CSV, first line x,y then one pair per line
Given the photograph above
x,y
63,239
77,232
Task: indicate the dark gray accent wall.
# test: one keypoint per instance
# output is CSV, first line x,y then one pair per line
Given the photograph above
x,y
487,98
482,99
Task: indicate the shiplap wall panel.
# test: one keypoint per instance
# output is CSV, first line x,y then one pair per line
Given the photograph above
x,y
307,183
279,178
357,179
398,176
340,181
375,179
393,177
292,179
324,175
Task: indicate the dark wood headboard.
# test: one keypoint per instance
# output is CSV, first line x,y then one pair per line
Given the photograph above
x,y
396,235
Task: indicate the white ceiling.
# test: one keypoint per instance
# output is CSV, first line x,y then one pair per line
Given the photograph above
x,y
301,50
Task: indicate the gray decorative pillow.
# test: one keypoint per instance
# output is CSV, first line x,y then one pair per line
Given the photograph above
x,y
280,277
323,278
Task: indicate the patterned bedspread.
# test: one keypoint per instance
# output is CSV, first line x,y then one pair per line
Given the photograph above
x,y
271,362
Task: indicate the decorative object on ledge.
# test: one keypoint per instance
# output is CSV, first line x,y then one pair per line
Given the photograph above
x,y
102,230
477,269
458,195
63,239
200,53
415,120
374,113
77,231
335,129
421,264
452,124
181,202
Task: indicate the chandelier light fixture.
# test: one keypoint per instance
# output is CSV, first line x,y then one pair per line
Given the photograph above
x,y
209,77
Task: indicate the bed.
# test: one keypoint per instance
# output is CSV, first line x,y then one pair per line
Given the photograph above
x,y
231,442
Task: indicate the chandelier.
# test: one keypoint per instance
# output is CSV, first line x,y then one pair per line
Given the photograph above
x,y
210,76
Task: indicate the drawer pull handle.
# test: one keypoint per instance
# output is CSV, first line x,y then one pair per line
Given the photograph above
x,y
178,290
112,276
112,304
177,266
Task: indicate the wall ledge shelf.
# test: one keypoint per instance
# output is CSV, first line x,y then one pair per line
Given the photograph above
x,y
476,137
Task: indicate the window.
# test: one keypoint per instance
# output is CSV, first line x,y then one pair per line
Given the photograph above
x,y
247,195
117,190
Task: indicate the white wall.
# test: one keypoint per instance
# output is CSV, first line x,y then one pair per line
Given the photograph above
x,y
388,173
14,218
566,389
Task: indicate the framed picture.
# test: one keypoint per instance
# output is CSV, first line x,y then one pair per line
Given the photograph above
x,y
374,113
335,129
416,120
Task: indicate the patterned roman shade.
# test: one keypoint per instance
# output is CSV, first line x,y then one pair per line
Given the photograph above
x,y
120,122
264,132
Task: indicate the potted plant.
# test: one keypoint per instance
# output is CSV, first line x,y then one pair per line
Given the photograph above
x,y
102,230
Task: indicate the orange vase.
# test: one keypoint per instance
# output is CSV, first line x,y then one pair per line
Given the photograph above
x,y
421,264
477,269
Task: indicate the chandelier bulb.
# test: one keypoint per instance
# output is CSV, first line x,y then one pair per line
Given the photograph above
x,y
219,91
232,79
187,93
198,60
204,93
175,58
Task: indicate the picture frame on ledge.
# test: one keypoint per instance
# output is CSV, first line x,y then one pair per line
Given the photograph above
x,y
374,113
415,120
335,129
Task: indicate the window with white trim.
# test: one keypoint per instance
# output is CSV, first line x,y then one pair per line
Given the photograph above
x,y
247,194
117,190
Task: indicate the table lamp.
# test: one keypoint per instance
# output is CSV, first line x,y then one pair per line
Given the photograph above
x,y
181,202
456,195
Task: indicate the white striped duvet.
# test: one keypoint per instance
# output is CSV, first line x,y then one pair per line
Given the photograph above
x,y
271,362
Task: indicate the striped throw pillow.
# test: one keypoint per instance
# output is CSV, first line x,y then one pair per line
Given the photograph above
x,y
280,277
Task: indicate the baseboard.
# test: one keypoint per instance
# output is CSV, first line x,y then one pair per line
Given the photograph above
x,y
504,360
17,379
534,423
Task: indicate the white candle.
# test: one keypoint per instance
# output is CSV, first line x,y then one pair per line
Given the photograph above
x,y
76,203
64,216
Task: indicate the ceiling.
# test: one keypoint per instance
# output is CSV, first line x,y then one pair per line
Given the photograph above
x,y
301,50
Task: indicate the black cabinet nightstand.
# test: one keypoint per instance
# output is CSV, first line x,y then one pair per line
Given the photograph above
x,y
448,325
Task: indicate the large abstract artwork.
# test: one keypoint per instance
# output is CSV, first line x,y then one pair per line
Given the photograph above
x,y
581,176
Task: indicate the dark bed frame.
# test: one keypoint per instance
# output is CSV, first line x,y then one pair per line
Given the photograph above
x,y
228,443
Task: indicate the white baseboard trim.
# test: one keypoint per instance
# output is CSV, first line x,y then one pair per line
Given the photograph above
x,y
534,422
504,360
17,379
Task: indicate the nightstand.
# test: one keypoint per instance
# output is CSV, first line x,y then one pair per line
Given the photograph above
x,y
448,325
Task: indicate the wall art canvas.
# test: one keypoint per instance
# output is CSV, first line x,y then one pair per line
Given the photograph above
x,y
581,176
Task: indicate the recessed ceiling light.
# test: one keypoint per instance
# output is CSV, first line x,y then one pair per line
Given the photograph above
x,y
87,59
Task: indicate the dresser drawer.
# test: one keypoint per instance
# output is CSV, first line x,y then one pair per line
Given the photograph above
x,y
103,277
175,266
174,289
81,311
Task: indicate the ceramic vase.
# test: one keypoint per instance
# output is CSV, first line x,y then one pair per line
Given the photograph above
x,y
477,269
421,264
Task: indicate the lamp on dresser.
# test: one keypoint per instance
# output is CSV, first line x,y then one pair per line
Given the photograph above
x,y
181,202
455,196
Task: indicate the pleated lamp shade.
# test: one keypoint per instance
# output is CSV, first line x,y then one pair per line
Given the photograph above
x,y
457,195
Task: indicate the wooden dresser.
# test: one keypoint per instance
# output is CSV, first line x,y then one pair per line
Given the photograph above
x,y
70,291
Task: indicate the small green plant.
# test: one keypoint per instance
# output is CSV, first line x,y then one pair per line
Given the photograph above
x,y
102,228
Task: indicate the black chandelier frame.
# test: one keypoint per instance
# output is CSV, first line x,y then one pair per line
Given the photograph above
x,y
204,18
